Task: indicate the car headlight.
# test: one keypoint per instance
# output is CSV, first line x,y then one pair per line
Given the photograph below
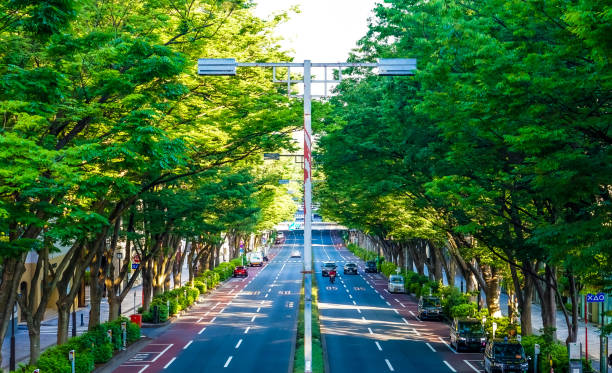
x,y
461,338
483,339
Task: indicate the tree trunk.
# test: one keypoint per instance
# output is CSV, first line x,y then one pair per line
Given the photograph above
x,y
147,284
492,281
63,320
548,302
113,306
573,328
34,334
12,270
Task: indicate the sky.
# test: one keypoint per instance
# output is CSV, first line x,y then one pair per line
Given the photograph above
x,y
324,30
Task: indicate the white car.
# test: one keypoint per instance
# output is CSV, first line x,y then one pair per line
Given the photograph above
x,y
296,254
396,284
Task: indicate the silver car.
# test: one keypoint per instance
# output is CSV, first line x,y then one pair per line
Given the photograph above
x,y
396,284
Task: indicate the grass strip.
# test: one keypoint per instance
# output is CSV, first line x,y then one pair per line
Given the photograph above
x,y
317,349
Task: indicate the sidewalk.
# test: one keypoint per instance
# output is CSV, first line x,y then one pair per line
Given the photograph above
x,y
48,330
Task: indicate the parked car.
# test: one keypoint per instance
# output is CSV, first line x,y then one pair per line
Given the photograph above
x,y
256,259
468,334
350,268
505,356
296,254
396,284
280,238
328,266
370,267
241,271
430,308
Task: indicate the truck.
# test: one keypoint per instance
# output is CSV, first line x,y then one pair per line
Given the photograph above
x,y
256,258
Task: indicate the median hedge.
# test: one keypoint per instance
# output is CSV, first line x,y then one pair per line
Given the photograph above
x,y
92,347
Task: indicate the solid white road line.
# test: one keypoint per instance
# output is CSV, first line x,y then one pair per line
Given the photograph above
x,y
389,365
143,369
170,362
213,319
187,345
449,366
378,345
471,366
247,330
228,361
430,347
447,345
222,309
395,299
258,309
161,353
239,343
370,330
401,304
202,331
253,318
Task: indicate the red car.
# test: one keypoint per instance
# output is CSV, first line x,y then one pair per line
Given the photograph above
x,y
241,271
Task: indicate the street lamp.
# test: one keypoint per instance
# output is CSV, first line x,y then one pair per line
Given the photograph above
x,y
386,67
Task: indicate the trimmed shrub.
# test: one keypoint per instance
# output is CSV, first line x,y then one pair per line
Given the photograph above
x,y
200,285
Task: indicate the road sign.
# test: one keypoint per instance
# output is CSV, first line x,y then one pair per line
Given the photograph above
x,y
135,265
283,181
595,298
272,156
136,258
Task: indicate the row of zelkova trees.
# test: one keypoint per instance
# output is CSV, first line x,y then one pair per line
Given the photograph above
x,y
109,136
497,154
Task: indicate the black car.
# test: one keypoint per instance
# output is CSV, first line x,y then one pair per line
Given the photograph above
x,y
350,268
430,308
370,267
327,267
505,356
468,334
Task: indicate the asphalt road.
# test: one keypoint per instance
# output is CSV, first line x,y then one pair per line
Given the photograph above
x,y
367,329
244,326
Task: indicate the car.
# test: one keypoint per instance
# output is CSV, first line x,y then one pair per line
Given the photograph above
x,y
396,284
241,271
296,254
350,268
327,266
505,356
467,334
430,308
370,267
280,238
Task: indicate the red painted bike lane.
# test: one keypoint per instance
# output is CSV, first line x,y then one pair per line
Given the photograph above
x,y
434,333
163,350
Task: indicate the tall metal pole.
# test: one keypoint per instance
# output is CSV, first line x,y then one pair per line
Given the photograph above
x,y
307,221
12,359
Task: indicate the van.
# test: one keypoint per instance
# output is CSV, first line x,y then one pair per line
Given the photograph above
x,y
396,284
256,259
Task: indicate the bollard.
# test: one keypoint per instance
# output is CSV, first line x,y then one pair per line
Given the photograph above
x,y
124,332
71,358
82,323
155,315
109,333
536,349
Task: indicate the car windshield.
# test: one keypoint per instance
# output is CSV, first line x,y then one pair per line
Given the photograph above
x,y
371,264
431,302
352,265
471,328
509,351
239,267
330,265
397,279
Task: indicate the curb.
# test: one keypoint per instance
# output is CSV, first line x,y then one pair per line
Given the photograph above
x,y
123,356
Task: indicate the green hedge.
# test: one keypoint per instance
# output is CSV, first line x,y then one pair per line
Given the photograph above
x,y
92,347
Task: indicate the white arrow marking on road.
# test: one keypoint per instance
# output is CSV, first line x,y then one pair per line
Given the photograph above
x,y
449,366
228,361
378,345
